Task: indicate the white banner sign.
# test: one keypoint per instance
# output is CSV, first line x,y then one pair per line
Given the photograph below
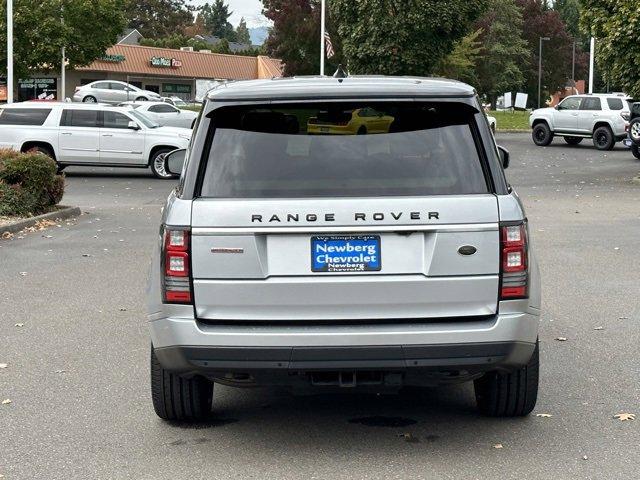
x,y
521,100
507,100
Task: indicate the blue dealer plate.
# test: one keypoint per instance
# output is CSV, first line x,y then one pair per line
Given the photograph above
x,y
345,253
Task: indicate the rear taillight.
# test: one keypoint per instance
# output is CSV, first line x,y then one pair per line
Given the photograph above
x,y
176,266
513,262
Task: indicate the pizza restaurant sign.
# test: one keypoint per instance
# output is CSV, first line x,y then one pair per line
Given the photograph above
x,y
164,62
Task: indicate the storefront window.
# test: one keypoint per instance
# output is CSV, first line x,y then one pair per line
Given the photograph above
x,y
42,89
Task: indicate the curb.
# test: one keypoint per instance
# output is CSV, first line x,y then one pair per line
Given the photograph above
x,y
60,214
513,130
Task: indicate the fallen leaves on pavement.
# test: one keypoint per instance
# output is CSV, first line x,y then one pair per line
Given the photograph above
x,y
3,365
561,339
19,325
544,415
623,417
6,401
498,446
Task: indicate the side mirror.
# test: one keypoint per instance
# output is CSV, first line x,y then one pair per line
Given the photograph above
x,y
133,125
504,156
174,161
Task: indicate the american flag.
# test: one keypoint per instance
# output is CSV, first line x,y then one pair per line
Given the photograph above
x,y
328,45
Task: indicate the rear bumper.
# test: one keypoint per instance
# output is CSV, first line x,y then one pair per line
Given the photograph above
x,y
500,342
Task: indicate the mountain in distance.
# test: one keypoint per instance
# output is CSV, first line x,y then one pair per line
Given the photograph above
x,y
258,35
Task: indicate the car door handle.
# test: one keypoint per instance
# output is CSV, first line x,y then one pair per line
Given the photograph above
x,y
65,133
107,135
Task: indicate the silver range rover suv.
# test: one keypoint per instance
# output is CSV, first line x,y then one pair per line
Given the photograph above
x,y
343,232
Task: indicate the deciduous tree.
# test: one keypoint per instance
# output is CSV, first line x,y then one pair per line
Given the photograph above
x,y
503,49
616,26
295,36
461,63
154,18
557,57
41,34
401,37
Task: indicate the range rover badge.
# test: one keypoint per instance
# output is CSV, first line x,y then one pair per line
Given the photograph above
x,y
467,250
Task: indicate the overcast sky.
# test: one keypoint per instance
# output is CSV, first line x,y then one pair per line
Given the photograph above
x,y
249,9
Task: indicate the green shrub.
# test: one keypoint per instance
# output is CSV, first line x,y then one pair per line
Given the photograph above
x,y
29,184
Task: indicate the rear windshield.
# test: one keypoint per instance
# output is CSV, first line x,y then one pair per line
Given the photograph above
x,y
23,116
344,150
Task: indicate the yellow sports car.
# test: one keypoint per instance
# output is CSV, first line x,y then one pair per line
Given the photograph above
x,y
349,122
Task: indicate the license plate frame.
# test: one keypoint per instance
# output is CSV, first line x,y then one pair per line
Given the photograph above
x,y
361,247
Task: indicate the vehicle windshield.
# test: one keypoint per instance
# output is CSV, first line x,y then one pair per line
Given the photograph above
x,y
339,149
143,119
178,102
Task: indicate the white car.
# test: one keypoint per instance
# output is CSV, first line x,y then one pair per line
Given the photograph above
x,y
112,92
603,117
164,113
492,123
90,135
175,101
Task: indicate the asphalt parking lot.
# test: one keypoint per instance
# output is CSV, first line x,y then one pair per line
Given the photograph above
x,y
77,368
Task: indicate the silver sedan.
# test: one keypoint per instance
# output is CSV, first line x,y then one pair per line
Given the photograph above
x,y
113,92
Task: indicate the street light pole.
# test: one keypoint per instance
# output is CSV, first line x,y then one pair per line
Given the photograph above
x,y
63,73
592,57
9,51
573,63
542,39
322,6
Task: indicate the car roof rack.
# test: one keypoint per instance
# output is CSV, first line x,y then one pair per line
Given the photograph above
x,y
340,72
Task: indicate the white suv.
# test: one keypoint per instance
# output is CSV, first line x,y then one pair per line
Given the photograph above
x,y
605,118
91,135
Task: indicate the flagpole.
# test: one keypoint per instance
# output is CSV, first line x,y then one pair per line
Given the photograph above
x,y
9,51
322,38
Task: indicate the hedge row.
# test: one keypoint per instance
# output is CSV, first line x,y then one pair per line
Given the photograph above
x,y
29,183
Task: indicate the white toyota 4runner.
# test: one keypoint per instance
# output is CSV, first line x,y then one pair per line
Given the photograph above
x,y
605,118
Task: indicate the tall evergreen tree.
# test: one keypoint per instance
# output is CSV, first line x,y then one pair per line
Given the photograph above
x,y
242,32
216,19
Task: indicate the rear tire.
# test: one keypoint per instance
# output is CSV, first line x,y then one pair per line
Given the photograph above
x,y
362,130
635,150
573,140
89,99
542,134
634,130
603,138
141,99
156,162
179,399
509,394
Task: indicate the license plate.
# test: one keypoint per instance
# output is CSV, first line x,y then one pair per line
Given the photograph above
x,y
325,129
345,253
